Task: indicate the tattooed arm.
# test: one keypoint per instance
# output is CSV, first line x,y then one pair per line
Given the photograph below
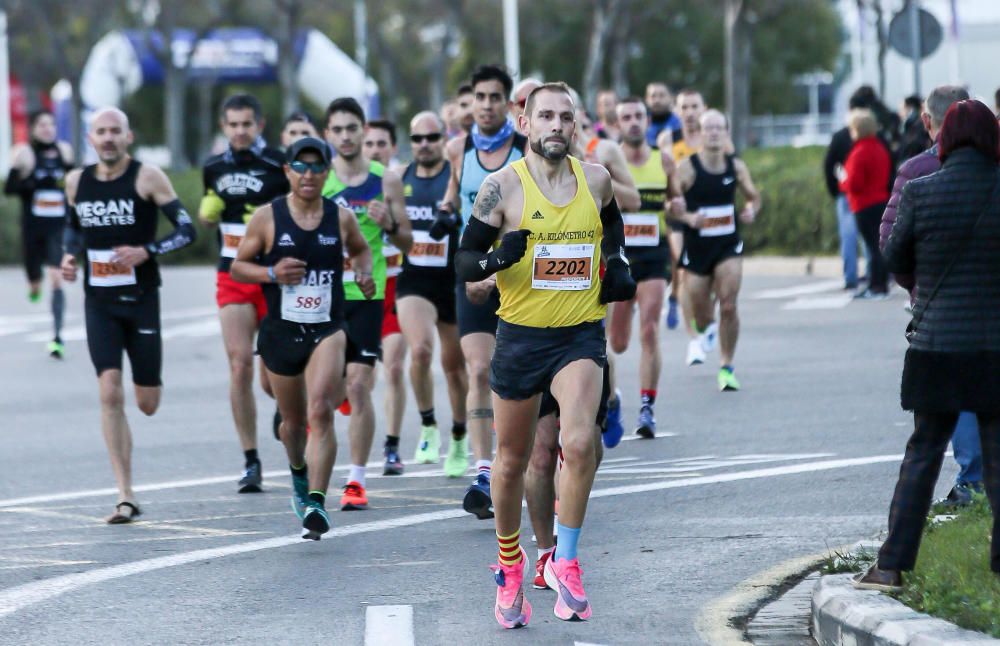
x,y
474,260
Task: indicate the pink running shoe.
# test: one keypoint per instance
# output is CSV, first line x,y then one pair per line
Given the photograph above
x,y
512,608
565,578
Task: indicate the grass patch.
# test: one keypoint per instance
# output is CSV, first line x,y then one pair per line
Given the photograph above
x,y
952,579
847,562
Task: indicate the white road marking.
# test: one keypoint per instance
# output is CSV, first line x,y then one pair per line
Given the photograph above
x,y
798,290
389,626
836,302
659,434
205,327
75,333
22,596
400,564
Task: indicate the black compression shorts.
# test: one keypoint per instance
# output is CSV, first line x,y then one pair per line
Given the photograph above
x,y
441,294
476,318
527,358
549,404
133,327
648,263
286,347
363,322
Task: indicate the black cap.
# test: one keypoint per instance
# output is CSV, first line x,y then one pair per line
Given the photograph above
x,y
309,143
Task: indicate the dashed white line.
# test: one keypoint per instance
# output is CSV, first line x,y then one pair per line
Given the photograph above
x,y
22,596
798,290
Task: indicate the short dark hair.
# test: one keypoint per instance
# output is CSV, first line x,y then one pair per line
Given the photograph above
x,y
970,124
690,91
345,104
299,115
384,124
557,86
466,88
632,99
863,97
35,115
492,73
913,102
242,102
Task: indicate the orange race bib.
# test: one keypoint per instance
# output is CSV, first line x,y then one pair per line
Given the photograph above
x,y
641,229
232,235
104,273
428,252
563,267
719,220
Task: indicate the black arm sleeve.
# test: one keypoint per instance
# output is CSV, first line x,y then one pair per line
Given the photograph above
x,y
183,234
613,242
17,185
72,234
474,261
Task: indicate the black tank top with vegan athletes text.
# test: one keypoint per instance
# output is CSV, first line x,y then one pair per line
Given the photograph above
x,y
322,248
110,214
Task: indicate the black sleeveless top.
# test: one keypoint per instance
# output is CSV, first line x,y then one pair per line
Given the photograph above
x,y
45,203
110,214
423,197
711,190
322,249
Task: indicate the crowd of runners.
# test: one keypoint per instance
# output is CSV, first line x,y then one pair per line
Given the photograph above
x,y
520,240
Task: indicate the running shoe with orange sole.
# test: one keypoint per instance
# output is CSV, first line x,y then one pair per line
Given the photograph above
x,y
354,498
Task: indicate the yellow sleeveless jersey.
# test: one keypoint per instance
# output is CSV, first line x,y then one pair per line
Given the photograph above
x,y
652,184
682,150
557,282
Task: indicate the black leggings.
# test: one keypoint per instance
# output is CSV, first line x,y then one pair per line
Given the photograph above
x,y
868,220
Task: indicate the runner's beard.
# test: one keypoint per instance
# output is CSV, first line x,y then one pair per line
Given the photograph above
x,y
552,155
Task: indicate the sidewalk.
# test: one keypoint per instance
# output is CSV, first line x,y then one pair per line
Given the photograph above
x,y
818,266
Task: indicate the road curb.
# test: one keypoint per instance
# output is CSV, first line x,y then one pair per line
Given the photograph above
x,y
843,615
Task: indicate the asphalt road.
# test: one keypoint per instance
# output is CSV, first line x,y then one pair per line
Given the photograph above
x,y
803,459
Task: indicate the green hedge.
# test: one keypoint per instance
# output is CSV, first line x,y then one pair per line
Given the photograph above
x,y
798,216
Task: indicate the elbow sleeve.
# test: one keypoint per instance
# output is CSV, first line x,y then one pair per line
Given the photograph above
x,y
613,242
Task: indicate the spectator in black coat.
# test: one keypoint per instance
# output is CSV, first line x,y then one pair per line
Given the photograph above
x,y
947,233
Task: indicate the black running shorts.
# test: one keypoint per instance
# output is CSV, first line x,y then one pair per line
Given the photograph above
x,y
133,327
550,405
286,347
363,322
441,294
476,318
527,358
702,257
648,263
41,245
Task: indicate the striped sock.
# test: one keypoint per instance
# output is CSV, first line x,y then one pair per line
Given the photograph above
x,y
510,548
483,467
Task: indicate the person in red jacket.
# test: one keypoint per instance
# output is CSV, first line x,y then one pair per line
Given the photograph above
x,y
864,179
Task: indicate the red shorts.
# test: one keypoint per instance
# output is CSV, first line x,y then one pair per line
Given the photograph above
x,y
390,322
229,292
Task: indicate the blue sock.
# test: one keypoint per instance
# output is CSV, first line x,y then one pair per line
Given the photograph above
x,y
728,368
566,545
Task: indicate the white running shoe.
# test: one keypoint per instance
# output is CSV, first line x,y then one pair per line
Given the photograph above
x,y
695,355
710,337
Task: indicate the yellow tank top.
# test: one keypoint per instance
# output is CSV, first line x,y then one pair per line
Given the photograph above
x,y
682,150
557,282
652,184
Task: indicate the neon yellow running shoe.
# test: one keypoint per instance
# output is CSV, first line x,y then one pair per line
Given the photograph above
x,y
56,350
457,461
429,448
727,380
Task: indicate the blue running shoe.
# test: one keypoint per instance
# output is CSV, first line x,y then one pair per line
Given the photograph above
x,y
672,318
300,495
613,429
477,498
315,522
646,428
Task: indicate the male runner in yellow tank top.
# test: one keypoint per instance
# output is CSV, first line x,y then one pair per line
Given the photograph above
x,y
558,218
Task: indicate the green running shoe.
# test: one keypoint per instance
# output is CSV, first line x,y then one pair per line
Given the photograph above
x,y
727,380
56,350
300,495
457,461
429,448
35,296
